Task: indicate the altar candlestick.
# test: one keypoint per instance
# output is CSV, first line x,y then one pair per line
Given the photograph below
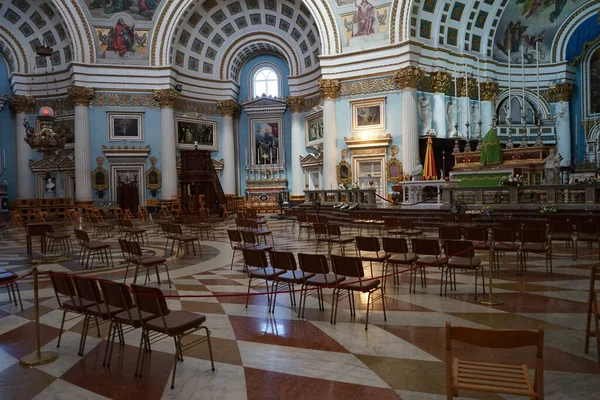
x,y
466,84
509,85
456,96
523,77
537,70
479,87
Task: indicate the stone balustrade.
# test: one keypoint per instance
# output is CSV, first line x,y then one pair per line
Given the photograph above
x,y
364,197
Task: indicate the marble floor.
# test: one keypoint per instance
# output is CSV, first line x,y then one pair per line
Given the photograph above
x,y
262,355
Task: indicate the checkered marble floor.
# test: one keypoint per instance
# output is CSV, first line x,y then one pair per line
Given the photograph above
x,y
259,355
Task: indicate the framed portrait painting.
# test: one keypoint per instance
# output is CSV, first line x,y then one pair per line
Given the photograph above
x,y
197,132
125,126
266,134
314,128
368,114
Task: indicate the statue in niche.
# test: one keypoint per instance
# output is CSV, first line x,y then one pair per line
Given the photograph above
x,y
451,115
474,115
425,114
50,185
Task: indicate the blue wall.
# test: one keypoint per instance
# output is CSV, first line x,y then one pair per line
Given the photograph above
x,y
243,120
7,131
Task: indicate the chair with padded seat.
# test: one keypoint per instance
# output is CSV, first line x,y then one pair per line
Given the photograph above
x,y
183,239
593,313
353,272
429,254
321,236
492,377
257,267
170,323
400,256
535,241
236,241
462,256
505,241
588,232
8,279
92,247
334,232
317,266
285,261
369,250
146,262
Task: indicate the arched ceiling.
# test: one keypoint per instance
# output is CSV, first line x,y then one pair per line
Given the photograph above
x,y
486,27
31,23
211,30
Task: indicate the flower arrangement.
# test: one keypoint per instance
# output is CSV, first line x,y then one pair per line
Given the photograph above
x,y
548,209
512,180
353,186
590,180
486,210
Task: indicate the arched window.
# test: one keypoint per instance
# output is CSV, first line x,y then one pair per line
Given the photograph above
x,y
265,80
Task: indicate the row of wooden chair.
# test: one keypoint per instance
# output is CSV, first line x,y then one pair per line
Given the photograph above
x,y
112,302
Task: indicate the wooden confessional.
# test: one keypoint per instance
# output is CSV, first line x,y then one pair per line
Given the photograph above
x,y
127,193
199,182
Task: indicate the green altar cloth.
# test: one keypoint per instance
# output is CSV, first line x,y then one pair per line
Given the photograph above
x,y
480,179
491,152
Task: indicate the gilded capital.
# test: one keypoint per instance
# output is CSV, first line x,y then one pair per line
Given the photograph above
x,y
489,90
440,81
560,92
80,95
409,77
227,107
166,98
329,88
22,104
296,103
462,89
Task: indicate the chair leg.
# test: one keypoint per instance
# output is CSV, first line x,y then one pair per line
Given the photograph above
x,y
212,362
62,324
248,294
138,372
368,305
177,351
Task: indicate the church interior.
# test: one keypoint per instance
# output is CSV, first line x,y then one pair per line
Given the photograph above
x,y
258,162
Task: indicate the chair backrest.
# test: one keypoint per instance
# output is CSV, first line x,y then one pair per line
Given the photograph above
x,y
534,224
234,236
94,219
367,243
313,263
505,235
150,300
395,245
495,338
175,229
448,218
252,224
465,218
116,294
320,229
595,276
391,223
127,223
590,228
283,260
510,224
560,227
334,230
312,218
322,219
476,234
347,266
459,248
87,289
255,258
533,236
302,218
83,235
407,223
248,237
63,286
428,247
449,233
135,249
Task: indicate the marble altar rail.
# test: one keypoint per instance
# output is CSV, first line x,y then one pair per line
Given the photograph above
x,y
329,197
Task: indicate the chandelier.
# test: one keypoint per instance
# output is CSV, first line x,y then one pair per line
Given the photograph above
x,y
46,140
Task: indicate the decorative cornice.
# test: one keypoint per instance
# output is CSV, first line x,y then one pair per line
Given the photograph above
x,y
264,105
329,88
124,100
80,95
296,103
489,90
462,90
126,151
166,98
375,142
377,85
227,107
440,81
560,92
22,104
409,77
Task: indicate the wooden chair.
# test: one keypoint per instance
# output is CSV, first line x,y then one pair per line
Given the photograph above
x,y
490,377
400,257
593,312
143,213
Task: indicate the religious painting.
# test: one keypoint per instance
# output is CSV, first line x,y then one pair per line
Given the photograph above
x,y
594,83
266,136
141,10
314,128
368,114
125,126
394,170
368,23
344,173
123,41
525,23
192,133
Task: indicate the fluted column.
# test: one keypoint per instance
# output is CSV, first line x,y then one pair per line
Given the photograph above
x,y
296,104
560,95
22,105
440,83
329,90
167,98
489,91
228,108
408,79
81,98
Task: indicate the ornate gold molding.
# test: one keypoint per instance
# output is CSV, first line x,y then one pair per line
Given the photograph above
x,y
462,90
409,77
440,81
369,152
227,107
560,92
166,98
296,103
329,88
22,104
80,95
489,90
